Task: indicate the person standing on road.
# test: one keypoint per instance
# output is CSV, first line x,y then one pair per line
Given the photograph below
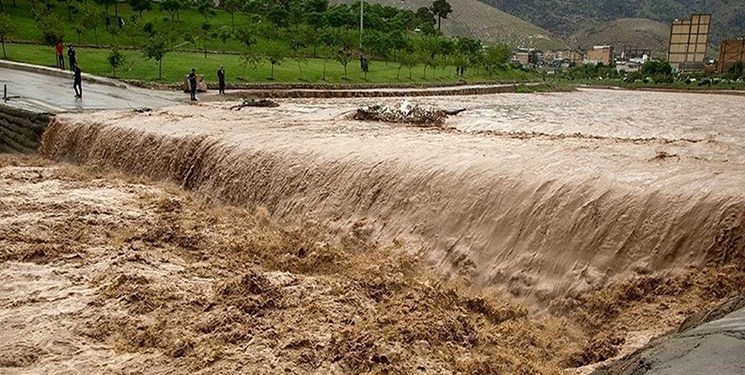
x,y
221,80
72,55
59,49
78,83
193,84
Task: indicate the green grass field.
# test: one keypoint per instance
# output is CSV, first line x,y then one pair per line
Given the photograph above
x,y
177,64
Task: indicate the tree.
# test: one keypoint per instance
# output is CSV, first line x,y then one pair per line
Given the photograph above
x,y
107,3
52,29
156,49
659,71
206,35
496,56
71,8
276,55
406,59
232,6
116,59
172,7
425,20
298,44
734,73
248,58
140,6
6,28
206,8
441,8
224,36
247,36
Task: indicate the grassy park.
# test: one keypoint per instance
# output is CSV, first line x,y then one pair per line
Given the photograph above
x,y
253,45
177,64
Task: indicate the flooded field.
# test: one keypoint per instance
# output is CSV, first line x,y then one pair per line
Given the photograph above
x,y
531,234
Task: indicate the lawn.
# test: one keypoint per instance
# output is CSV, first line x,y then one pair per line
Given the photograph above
x,y
177,64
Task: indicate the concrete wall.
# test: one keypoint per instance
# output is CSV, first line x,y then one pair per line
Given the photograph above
x,y
20,130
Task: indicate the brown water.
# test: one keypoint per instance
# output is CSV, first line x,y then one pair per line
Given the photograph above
x,y
544,195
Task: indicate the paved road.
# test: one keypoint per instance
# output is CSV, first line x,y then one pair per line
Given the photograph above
x,y
46,93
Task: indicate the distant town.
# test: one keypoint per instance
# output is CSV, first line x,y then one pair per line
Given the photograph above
x,y
687,52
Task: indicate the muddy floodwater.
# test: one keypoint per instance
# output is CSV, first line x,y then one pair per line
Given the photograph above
x,y
529,234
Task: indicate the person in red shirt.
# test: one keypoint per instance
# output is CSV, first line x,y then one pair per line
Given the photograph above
x,y
59,49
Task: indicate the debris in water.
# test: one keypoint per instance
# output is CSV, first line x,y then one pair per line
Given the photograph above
x,y
405,112
255,103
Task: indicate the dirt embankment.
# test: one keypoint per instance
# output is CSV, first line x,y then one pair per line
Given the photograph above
x,y
106,273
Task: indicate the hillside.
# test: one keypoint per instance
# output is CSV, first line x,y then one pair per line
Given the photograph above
x,y
632,32
567,17
475,19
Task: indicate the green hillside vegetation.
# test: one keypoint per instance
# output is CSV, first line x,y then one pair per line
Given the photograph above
x,y
264,40
474,19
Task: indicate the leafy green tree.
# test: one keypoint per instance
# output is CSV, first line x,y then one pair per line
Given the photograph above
x,y
496,56
206,8
425,20
659,71
107,3
406,59
232,6
249,59
736,72
116,59
247,36
156,49
6,28
140,6
441,8
206,35
172,7
71,7
51,27
275,54
224,36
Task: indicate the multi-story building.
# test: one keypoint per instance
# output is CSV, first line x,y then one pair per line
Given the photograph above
x,y
731,52
688,42
600,54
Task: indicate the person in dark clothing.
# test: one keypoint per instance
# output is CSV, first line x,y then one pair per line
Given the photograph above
x,y
108,23
72,55
193,84
121,23
78,82
59,49
221,80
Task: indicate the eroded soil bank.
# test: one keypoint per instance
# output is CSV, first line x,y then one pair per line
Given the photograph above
x,y
104,273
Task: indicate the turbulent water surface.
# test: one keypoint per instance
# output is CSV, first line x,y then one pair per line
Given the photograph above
x,y
544,195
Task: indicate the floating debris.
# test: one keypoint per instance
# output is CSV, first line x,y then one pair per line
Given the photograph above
x,y
405,112
255,103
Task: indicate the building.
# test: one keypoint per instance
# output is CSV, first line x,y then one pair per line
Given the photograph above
x,y
600,54
628,66
731,52
527,56
688,42
636,55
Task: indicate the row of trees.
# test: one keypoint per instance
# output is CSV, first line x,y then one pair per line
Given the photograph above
x,y
281,30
